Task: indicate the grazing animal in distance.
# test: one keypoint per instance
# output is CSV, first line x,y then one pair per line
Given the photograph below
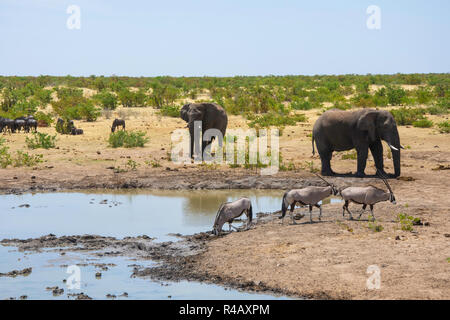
x,y
229,211
308,196
19,124
116,123
30,123
369,195
8,124
76,131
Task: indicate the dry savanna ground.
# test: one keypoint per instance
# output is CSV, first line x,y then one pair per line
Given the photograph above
x,y
327,259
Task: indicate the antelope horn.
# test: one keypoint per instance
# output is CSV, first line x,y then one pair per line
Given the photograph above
x,y
323,179
385,181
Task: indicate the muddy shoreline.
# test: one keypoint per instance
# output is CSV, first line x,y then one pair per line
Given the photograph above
x,y
16,181
175,260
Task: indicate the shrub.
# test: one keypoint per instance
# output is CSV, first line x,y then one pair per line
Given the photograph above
x,y
43,119
423,123
107,100
88,111
444,127
350,155
407,222
5,157
302,105
424,95
275,119
41,140
130,99
127,139
24,159
406,116
170,111
395,95
44,96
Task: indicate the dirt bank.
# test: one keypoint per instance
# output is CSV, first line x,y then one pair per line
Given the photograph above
x,y
325,260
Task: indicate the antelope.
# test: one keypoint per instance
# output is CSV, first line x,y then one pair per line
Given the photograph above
x,y
309,196
366,196
229,211
117,123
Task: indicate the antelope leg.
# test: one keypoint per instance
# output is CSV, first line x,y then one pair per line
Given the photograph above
x,y
362,211
351,217
371,212
292,213
310,213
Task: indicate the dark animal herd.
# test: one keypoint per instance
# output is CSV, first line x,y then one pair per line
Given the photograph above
x,y
24,124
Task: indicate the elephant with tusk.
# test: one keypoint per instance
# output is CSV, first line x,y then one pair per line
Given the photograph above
x,y
337,130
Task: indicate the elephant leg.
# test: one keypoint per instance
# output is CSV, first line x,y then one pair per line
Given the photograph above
x,y
195,143
362,160
376,149
325,158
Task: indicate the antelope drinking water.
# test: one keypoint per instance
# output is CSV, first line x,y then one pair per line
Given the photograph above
x,y
229,211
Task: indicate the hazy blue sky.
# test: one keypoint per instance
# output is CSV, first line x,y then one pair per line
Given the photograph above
x,y
223,38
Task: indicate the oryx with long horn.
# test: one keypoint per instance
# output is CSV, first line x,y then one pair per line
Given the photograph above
x,y
369,195
308,196
229,211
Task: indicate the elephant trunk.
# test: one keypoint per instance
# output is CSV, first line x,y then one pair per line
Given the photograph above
x,y
396,154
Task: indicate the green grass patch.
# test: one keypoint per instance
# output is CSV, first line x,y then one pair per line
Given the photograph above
x,y
170,111
127,139
374,225
41,140
407,116
444,127
272,119
350,155
407,222
423,123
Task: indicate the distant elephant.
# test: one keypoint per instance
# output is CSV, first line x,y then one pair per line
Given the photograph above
x,y
211,115
337,130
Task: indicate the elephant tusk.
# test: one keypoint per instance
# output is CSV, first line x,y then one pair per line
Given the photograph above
x,y
393,148
402,147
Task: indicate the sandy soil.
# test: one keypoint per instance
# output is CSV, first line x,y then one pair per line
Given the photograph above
x,y
320,260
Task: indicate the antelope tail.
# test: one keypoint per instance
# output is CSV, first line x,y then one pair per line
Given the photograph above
x,y
283,206
250,214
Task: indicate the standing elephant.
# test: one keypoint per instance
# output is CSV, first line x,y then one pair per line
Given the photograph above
x,y
337,130
211,115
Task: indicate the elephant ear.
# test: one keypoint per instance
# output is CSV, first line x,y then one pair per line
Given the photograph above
x,y
184,112
367,122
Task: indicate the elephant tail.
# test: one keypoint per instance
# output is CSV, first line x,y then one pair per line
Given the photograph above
x,y
312,140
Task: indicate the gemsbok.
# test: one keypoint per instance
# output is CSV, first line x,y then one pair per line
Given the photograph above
x,y
369,195
308,196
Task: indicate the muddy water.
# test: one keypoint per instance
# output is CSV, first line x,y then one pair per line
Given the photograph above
x,y
153,213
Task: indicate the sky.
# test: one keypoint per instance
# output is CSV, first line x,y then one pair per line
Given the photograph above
x,y
223,38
